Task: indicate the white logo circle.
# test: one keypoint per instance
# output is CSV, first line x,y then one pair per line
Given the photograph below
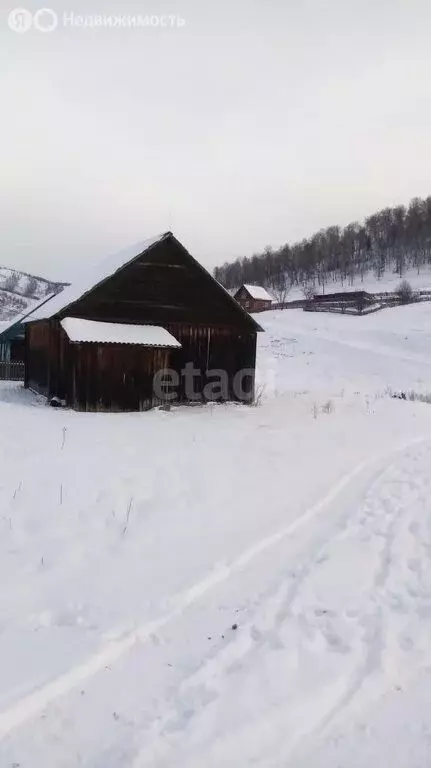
x,y
45,20
20,20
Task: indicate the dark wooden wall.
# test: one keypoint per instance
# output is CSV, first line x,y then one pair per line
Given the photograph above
x,y
37,357
91,377
250,304
258,305
47,358
12,350
164,285
120,376
115,377
211,348
166,288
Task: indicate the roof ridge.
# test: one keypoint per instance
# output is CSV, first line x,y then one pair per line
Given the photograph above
x,y
94,276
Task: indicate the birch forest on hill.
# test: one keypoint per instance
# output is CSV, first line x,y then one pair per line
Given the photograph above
x,y
391,240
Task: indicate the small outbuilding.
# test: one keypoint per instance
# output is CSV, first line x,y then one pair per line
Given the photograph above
x,y
11,343
344,302
253,298
148,325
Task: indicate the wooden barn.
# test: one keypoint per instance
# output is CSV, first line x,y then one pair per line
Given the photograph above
x,y
253,298
100,343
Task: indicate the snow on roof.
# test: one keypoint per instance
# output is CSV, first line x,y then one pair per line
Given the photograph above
x,y
92,277
117,333
18,320
258,292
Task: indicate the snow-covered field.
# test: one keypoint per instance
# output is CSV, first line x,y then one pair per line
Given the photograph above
x,y
226,585
318,352
388,282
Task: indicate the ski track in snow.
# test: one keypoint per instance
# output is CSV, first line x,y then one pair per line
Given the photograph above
x,y
384,515
397,593
34,703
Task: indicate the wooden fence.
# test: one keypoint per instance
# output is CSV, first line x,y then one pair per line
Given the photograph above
x,y
378,301
385,298
12,371
343,309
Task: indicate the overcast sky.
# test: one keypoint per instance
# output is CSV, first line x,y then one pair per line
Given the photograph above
x,y
254,123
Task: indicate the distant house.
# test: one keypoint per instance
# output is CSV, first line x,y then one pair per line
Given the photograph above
x,y
102,342
253,298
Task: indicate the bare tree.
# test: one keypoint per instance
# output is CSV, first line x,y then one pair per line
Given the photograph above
x,y
281,285
31,287
11,282
405,292
308,291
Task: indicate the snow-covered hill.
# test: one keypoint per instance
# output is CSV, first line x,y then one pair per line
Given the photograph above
x,y
226,586
19,291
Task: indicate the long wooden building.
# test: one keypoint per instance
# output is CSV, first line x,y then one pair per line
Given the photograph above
x,y
100,343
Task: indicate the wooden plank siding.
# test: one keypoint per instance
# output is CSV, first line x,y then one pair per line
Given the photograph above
x,y
167,288
37,361
247,302
12,371
114,377
12,350
164,285
213,348
91,377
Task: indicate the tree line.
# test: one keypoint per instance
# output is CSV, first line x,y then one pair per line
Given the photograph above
x,y
393,239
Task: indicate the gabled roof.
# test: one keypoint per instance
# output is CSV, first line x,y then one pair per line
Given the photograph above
x,y
92,277
93,331
96,275
257,292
